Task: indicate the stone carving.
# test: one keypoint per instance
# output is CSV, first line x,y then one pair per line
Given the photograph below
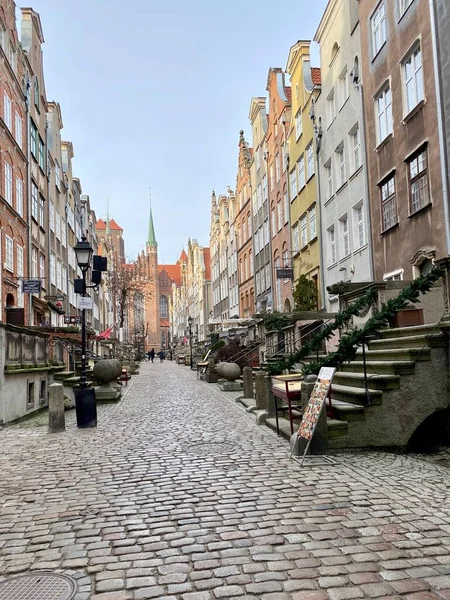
x,y
229,371
106,372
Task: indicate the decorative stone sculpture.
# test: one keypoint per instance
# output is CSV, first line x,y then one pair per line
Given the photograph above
x,y
105,372
230,372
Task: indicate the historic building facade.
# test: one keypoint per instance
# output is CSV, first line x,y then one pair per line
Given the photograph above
x,y
219,234
343,200
404,160
260,207
305,88
276,143
232,267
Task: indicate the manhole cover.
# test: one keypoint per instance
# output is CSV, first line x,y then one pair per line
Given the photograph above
x,y
204,448
39,586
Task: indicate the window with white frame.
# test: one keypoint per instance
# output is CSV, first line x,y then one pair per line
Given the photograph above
x,y
383,105
52,269
388,204
413,80
8,183
293,183
34,262
332,245
19,196
418,180
359,226
34,201
329,178
395,276
283,158
340,159
18,129
309,160
356,147
64,236
20,274
277,168
51,215
286,207
343,87
345,235
266,236
9,253
264,188
58,176
280,215
331,107
272,179
274,222
58,274
378,27
7,114
298,124
58,226
41,267
312,222
303,230
301,172
404,5
295,238
41,211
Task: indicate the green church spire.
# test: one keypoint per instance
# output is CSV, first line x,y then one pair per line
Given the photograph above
x,y
151,241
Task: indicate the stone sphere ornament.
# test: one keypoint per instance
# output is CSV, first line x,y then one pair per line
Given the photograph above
x,y
229,371
106,370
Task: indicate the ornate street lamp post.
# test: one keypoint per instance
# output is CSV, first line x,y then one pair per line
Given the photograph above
x,y
86,408
190,321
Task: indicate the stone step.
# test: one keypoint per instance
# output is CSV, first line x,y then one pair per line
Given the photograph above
x,y
61,375
395,354
336,428
433,340
399,367
344,411
374,380
397,332
355,395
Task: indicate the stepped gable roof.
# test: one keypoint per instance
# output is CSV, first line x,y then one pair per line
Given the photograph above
x,y
112,225
173,271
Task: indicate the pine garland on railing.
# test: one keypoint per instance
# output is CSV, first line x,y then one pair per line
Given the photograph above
x,y
316,341
350,343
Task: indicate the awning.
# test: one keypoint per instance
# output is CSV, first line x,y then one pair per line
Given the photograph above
x,y
105,335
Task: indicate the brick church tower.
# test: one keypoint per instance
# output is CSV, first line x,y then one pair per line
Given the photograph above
x,y
151,295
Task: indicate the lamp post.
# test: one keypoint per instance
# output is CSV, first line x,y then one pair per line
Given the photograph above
x,y
190,321
86,408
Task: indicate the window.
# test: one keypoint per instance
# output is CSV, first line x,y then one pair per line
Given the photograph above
x,y
264,188
341,165
293,183
418,180
280,215
283,158
163,307
272,180
41,154
8,184
58,274
286,207
36,92
295,238
343,87
277,167
12,56
34,256
20,274
395,276
388,204
58,176
9,253
51,209
378,26
360,231
332,245
331,107
303,230
301,172
30,395
298,124
34,201
404,5
329,177
413,78
33,139
19,196
309,160
356,147
41,212
384,114
345,236
312,223
274,222
43,392
52,269
18,130
41,266
258,159
7,111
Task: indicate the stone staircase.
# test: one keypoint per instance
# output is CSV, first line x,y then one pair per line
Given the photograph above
x,y
407,380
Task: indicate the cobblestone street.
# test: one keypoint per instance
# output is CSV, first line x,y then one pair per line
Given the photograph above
x,y
178,495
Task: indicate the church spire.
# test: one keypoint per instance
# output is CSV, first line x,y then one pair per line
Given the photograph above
x,y
151,241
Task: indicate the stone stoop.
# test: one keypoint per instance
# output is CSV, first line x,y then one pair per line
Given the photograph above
x,y
406,382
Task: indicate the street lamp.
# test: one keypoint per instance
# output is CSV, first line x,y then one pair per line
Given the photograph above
x,y
86,408
190,321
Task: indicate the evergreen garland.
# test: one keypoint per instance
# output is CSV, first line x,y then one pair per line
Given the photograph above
x,y
315,342
350,342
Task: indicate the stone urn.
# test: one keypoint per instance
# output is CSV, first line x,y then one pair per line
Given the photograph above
x,y
106,372
229,371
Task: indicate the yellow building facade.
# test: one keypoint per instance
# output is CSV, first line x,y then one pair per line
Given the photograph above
x,y
304,214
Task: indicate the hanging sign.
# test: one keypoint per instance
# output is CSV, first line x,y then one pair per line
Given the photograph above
x,y
85,303
69,320
286,273
31,286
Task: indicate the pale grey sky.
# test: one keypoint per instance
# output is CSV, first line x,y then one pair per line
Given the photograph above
x,y
153,94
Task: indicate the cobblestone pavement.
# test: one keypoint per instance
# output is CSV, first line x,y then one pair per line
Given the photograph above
x,y
178,495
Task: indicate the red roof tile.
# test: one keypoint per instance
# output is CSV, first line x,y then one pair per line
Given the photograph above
x,y
316,76
173,271
112,225
183,256
207,258
288,91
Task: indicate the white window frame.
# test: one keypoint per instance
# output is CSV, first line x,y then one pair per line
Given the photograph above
x,y
8,191
355,140
34,262
383,112
303,230
310,167
294,190
296,238
7,111
341,166
9,253
298,124
301,172
404,5
343,87
280,215
413,85
312,222
277,167
18,129
378,28
331,106
359,225
345,234
332,245
20,274
286,207
329,177
19,196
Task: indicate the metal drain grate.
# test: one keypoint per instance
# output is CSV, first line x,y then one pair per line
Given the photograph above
x,y
38,586
205,448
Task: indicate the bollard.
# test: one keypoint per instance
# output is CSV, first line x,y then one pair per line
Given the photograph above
x,y
260,390
270,403
56,416
247,376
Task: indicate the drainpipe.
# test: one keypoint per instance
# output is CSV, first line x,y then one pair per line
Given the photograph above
x,y
441,134
28,117
366,183
322,260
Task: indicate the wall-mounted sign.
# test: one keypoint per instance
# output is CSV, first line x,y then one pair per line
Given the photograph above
x,y
55,297
285,273
31,286
68,320
85,303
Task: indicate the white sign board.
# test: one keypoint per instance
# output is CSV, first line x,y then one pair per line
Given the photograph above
x,y
85,303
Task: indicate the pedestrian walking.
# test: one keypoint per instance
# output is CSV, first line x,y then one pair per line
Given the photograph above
x,y
152,354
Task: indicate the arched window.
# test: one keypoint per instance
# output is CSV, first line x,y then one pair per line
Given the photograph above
x,y
334,51
163,307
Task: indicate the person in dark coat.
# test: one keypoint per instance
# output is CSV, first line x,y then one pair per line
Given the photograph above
x,y
152,354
